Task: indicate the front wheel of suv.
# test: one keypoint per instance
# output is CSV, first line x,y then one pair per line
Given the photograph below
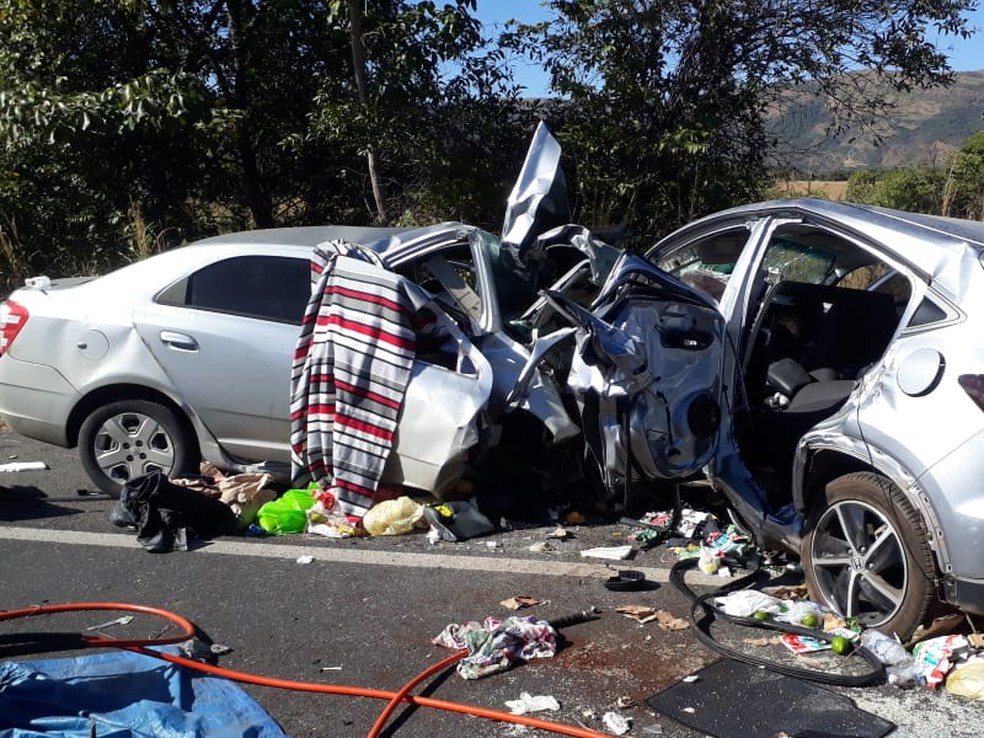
x,y
128,438
866,554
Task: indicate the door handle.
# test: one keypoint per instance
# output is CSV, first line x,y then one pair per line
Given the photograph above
x,y
180,341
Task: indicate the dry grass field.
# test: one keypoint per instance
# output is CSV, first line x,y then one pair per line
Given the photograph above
x,y
829,190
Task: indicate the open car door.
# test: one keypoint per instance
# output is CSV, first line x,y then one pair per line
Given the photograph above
x,y
646,370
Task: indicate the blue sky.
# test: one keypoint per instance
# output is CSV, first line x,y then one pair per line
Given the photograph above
x,y
964,55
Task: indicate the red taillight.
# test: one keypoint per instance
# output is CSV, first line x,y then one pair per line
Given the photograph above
x,y
13,317
973,385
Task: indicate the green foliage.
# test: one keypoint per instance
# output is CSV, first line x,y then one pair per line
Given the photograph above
x,y
132,125
956,189
964,191
128,126
665,101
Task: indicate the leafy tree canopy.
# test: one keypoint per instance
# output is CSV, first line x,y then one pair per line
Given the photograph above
x,y
665,100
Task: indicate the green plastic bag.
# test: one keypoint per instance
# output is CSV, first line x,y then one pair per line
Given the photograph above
x,y
286,514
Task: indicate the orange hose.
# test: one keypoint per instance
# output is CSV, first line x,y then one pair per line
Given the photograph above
x,y
405,690
187,629
141,646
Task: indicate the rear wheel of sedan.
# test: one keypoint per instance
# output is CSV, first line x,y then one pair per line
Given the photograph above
x,y
866,554
128,438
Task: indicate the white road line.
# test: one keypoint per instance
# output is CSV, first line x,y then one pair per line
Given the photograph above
x,y
350,555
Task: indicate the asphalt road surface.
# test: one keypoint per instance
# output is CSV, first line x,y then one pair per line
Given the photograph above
x,y
363,612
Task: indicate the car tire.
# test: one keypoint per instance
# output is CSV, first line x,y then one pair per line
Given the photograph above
x,y
866,554
128,438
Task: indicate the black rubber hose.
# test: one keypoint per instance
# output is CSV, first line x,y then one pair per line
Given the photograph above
x,y
701,625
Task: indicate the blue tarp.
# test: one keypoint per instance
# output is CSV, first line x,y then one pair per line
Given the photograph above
x,y
124,695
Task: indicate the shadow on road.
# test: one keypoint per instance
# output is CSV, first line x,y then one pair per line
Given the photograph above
x,y
29,503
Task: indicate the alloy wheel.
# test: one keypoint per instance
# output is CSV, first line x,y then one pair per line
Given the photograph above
x,y
859,562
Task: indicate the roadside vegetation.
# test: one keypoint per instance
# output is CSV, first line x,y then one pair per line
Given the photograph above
x,y
132,126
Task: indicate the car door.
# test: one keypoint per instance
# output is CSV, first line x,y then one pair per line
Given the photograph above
x,y
647,373
225,337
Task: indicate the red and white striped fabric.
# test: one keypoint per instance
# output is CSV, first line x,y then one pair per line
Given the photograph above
x,y
351,366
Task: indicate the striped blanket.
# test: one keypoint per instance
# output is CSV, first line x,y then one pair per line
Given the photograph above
x,y
351,366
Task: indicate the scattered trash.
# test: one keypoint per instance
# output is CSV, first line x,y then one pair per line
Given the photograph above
x,y
519,602
329,531
934,658
717,547
940,626
967,680
331,668
21,466
612,553
709,560
325,519
394,517
807,644
624,702
541,547
123,620
305,559
644,614
219,649
650,529
745,602
797,592
559,533
496,644
616,724
458,520
529,703
800,612
627,580
287,513
690,679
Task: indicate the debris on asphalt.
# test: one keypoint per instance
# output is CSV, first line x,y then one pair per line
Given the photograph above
x,y
717,548
22,466
394,517
287,513
940,626
305,559
967,680
324,519
935,657
497,644
457,520
626,580
528,703
519,602
122,620
167,515
559,533
745,602
616,724
644,614
612,553
650,529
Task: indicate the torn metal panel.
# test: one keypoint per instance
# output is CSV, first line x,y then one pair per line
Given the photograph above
x,y
647,372
538,201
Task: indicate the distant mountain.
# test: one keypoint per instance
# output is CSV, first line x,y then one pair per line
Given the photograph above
x,y
924,128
